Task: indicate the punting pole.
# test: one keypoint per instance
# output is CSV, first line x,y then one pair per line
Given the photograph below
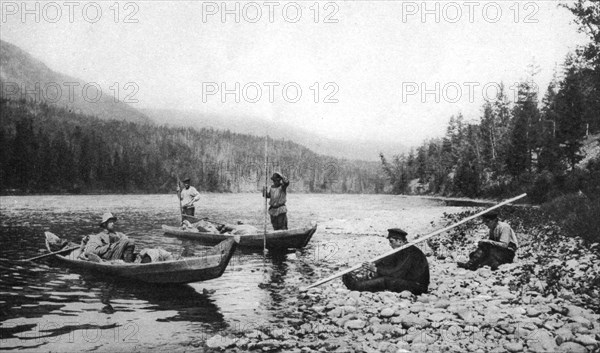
x,y
266,201
393,251
179,197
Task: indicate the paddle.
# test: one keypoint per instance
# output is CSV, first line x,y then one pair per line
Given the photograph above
x,y
53,253
393,251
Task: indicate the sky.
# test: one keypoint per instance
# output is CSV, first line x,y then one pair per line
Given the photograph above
x,y
389,71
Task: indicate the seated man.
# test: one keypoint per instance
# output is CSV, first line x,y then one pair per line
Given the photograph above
x,y
405,270
499,249
109,244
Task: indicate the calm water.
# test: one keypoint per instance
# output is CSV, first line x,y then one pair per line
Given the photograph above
x,y
45,306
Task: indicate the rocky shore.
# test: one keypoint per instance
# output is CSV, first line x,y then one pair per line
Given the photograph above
x,y
544,302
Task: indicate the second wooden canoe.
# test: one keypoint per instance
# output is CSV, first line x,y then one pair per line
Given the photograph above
x,y
280,239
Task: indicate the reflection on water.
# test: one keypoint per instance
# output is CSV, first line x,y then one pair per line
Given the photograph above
x,y
46,306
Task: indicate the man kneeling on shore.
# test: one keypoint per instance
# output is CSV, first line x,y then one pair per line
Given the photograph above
x,y
405,270
498,249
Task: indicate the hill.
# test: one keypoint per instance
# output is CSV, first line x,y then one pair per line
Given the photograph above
x,y
361,150
23,76
48,149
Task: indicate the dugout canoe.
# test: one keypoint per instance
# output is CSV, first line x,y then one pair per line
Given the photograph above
x,y
279,239
208,266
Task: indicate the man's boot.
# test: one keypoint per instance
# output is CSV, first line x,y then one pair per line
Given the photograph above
x,y
462,265
475,259
349,281
469,265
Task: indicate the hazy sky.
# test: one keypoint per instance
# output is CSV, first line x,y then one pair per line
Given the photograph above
x,y
371,59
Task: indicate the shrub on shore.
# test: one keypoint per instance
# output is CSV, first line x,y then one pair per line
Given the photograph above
x,y
577,215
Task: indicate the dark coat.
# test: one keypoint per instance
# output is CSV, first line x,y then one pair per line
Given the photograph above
x,y
409,264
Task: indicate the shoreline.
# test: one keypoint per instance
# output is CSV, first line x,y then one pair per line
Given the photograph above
x,y
474,311
453,199
463,311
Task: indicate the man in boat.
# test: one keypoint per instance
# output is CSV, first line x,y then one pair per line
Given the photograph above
x,y
498,249
407,269
109,244
188,196
277,195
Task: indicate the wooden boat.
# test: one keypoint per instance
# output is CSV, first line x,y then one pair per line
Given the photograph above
x,y
279,239
210,265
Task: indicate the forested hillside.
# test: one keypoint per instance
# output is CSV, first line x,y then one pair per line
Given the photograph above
x,y
531,145
350,149
46,148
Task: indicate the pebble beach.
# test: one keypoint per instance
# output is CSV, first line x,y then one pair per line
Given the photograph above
x,y
464,311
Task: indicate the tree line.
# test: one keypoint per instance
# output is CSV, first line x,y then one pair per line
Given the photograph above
x,y
527,146
49,149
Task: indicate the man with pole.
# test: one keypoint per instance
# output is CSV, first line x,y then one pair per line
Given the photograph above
x,y
277,195
188,196
405,270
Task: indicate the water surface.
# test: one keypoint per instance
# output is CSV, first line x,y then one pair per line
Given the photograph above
x,y
46,306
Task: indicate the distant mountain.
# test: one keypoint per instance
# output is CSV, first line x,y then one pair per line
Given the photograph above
x,y
23,76
361,150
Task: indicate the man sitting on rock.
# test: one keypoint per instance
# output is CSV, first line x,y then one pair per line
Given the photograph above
x,y
405,270
498,249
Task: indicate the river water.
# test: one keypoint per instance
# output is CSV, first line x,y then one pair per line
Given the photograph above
x,y
47,307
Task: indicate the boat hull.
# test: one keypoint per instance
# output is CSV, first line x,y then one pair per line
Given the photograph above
x,y
210,265
281,239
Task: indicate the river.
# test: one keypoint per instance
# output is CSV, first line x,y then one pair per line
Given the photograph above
x,y
46,306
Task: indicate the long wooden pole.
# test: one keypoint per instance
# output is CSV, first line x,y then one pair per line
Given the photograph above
x,y
266,203
179,197
393,251
53,253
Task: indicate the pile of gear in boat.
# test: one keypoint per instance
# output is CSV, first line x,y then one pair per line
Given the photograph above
x,y
209,227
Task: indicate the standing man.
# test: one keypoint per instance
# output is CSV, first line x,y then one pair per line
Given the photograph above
x,y
188,196
109,244
407,269
277,195
498,249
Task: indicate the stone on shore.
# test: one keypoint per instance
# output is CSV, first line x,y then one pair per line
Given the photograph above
x,y
218,341
514,347
571,347
387,312
355,324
